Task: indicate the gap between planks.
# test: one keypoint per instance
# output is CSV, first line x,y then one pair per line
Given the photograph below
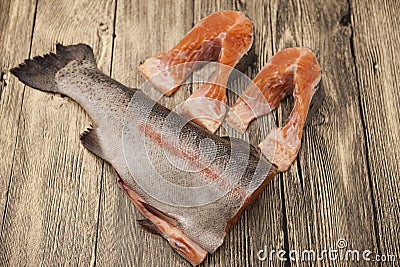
x,y
364,126
18,125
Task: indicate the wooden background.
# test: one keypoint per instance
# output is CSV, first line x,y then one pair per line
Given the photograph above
x,y
59,204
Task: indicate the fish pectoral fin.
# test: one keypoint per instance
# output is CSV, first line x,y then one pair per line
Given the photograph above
x,y
149,226
91,141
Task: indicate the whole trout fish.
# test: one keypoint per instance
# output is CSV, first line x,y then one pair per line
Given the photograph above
x,y
189,184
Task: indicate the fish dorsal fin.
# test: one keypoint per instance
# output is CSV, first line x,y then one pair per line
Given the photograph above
x,y
91,141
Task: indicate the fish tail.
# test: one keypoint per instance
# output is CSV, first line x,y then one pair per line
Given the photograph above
x,y
40,72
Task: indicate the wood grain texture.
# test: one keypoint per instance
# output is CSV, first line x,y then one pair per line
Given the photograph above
x,y
53,204
11,91
376,60
61,204
325,190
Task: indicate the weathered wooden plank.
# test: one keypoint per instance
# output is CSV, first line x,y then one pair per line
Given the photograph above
x,y
326,193
52,213
143,28
344,185
376,40
16,16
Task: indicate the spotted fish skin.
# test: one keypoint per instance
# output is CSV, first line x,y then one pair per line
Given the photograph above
x,y
131,140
